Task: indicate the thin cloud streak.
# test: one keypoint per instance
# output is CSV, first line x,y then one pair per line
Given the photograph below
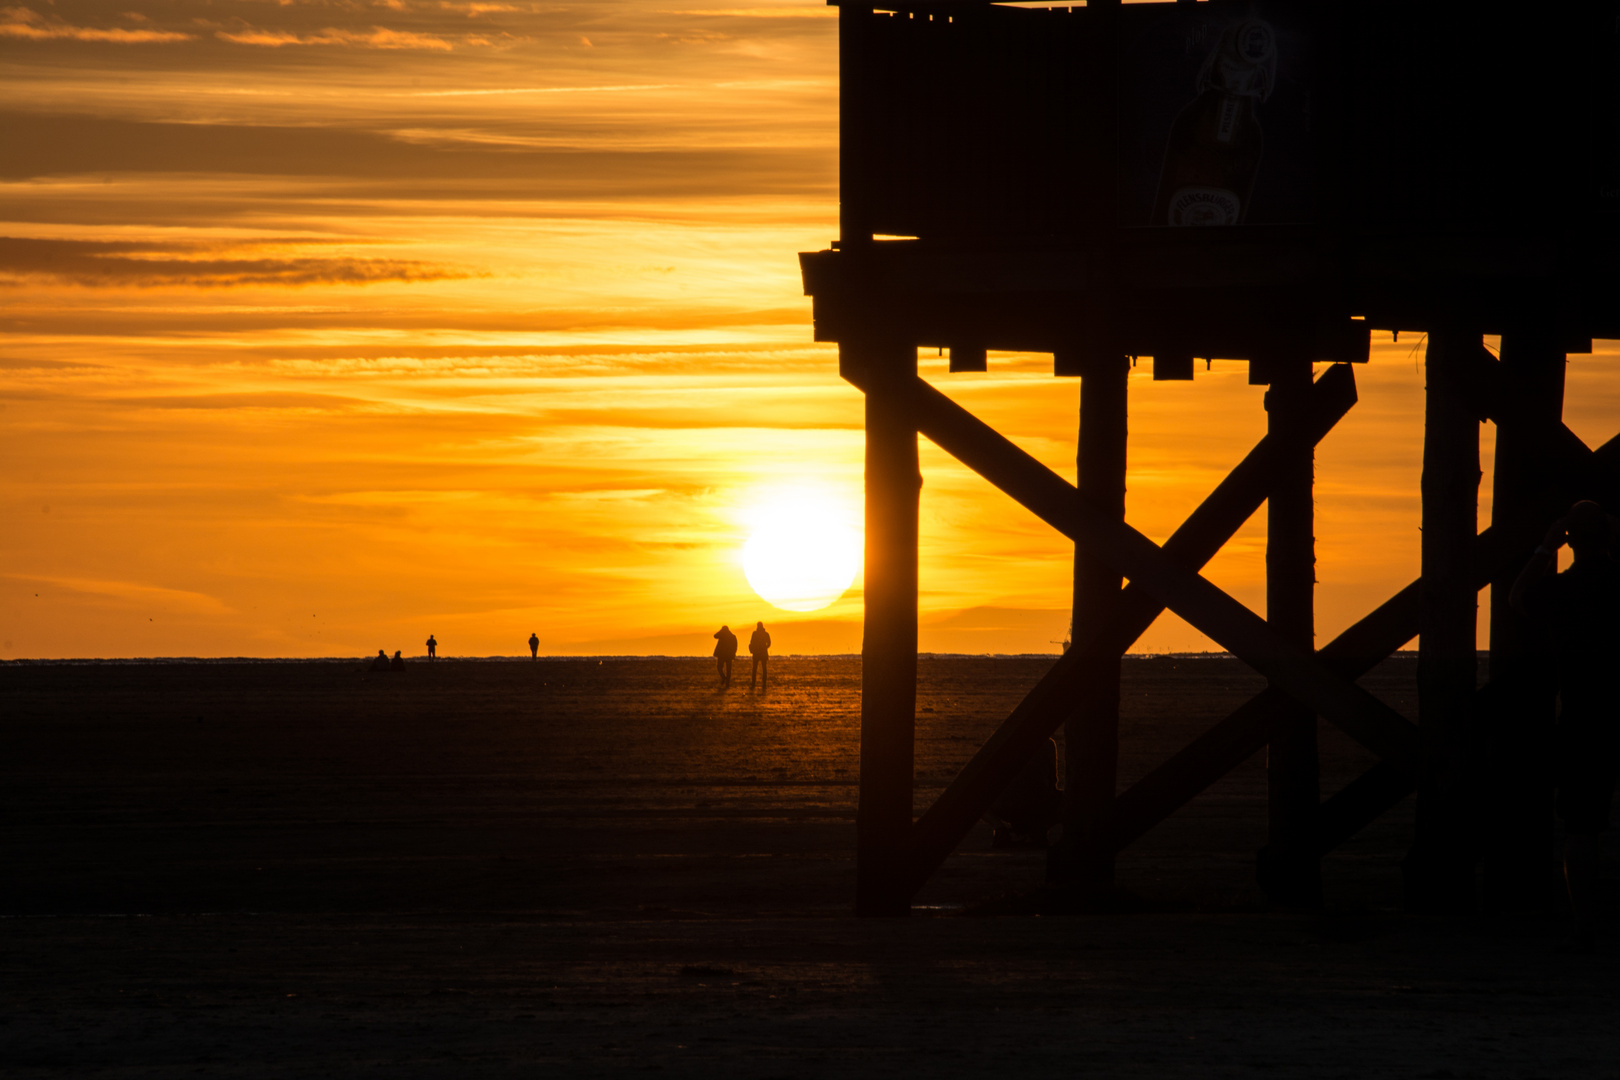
x,y
24,23
497,92
100,264
377,37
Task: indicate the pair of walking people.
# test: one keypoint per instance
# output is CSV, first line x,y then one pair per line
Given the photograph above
x,y
759,649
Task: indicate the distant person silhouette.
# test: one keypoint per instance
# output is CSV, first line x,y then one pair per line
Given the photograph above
x,y
759,647
397,663
1578,609
725,651
381,663
534,646
432,647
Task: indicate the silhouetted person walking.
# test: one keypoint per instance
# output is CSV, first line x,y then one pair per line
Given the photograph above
x,y
534,646
759,647
725,651
381,663
1578,609
432,647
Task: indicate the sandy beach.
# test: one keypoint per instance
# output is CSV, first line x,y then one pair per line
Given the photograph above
x,y
602,867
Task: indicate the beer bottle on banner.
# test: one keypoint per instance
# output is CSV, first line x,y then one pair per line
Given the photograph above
x,y
1213,155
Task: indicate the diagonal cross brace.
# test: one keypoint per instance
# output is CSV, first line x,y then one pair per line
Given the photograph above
x,y
1244,731
1363,646
1196,599
1199,538
1585,472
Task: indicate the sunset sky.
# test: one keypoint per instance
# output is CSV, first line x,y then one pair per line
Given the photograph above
x,y
330,325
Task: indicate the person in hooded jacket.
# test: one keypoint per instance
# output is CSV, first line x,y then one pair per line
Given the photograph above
x,y
725,651
759,647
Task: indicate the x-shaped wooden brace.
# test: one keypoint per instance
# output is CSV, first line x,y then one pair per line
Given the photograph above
x,y
1159,578
1575,471
1168,577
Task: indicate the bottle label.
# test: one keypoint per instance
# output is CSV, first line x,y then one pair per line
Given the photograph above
x,y
1204,206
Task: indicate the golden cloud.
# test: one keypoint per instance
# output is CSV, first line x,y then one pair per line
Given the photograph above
x,y
132,263
378,37
20,22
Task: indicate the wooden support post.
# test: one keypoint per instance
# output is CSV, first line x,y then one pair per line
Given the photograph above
x,y
1085,856
889,646
1292,774
1521,871
1439,869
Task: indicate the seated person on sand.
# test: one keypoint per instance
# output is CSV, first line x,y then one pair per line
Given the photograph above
x,y
397,663
381,663
1031,805
1577,610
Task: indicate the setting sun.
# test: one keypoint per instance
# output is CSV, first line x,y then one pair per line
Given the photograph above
x,y
804,551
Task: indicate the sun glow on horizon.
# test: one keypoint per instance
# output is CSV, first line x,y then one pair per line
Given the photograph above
x,y
804,551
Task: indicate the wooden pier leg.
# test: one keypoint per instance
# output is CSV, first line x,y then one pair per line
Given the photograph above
x,y
1292,771
889,647
1439,870
1084,859
1521,871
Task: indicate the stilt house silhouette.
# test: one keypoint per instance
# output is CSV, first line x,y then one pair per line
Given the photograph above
x,y
1267,181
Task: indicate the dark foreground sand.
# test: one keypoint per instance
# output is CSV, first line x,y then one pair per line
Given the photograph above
x,y
573,868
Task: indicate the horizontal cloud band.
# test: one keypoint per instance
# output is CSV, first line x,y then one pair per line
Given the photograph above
x,y
104,263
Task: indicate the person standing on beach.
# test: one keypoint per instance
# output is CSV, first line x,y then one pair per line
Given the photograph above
x,y
534,645
759,647
1578,609
432,646
725,651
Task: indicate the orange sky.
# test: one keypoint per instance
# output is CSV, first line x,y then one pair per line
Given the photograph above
x,y
328,325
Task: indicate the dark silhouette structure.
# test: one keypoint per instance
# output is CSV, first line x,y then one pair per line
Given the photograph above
x,y
397,663
432,647
1192,180
534,646
381,662
1031,804
1578,609
759,651
725,651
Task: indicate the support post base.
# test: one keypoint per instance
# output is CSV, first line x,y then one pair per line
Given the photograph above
x,y
1439,883
1289,881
